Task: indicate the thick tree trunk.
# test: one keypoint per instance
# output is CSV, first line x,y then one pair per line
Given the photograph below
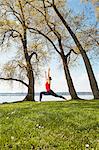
x,y
92,79
70,84
31,92
30,74
64,58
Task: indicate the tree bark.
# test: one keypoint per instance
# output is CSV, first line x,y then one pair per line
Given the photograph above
x,y
70,84
31,92
71,88
91,76
30,75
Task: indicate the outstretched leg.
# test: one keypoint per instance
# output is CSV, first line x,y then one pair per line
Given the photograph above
x,y
54,94
43,93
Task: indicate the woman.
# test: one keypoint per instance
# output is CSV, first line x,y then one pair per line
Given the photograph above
x,y
48,87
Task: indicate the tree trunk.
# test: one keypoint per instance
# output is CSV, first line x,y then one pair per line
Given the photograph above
x,y
64,58
31,92
93,82
30,74
70,84
92,79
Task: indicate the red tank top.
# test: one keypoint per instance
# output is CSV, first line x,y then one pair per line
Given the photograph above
x,y
47,85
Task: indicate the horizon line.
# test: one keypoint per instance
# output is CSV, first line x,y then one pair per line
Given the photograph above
x,y
37,93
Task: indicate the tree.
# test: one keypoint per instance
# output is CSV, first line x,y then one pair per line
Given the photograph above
x,y
13,30
92,80
60,14
50,33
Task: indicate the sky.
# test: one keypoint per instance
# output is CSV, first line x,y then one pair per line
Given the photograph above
x,y
59,84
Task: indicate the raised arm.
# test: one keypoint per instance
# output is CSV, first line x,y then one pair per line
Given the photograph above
x,y
49,76
46,76
49,72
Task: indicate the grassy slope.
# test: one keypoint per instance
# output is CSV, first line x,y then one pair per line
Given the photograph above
x,y
49,125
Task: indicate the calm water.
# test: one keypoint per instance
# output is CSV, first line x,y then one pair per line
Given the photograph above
x,y
12,97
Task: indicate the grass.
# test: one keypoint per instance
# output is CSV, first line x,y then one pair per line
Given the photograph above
x,y
66,125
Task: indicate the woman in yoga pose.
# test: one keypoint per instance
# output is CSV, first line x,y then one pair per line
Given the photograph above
x,y
48,87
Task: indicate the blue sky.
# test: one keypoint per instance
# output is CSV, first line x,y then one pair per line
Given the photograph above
x,y
78,73
78,7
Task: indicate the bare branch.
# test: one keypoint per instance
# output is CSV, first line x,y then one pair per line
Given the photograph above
x,y
33,53
12,31
16,13
67,56
74,51
22,12
35,8
48,23
39,32
15,80
48,3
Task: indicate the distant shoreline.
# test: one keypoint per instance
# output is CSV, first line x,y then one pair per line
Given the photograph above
x,y
36,94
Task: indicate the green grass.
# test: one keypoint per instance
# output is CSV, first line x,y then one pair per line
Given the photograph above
x,y
66,125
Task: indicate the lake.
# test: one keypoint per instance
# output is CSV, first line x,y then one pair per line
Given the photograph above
x,y
13,97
